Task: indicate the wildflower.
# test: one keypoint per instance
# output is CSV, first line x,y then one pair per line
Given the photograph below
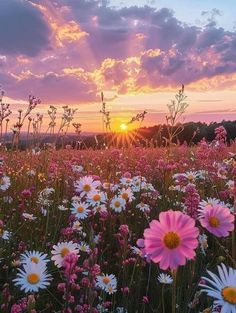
x,y
29,217
222,288
80,210
32,278
171,240
83,247
118,204
62,208
5,182
77,226
217,219
5,235
61,250
136,251
126,181
143,207
191,200
203,243
96,197
99,209
191,176
165,279
106,282
77,168
209,201
86,184
126,194
34,256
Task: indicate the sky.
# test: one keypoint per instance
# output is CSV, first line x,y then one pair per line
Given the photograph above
x,y
137,52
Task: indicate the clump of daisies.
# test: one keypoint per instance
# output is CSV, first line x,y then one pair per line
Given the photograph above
x,y
34,275
107,283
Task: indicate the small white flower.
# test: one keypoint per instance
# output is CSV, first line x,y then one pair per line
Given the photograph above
x,y
5,235
118,204
80,210
29,217
165,279
5,183
106,282
62,208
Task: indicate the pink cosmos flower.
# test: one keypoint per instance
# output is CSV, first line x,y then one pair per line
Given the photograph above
x,y
217,219
172,240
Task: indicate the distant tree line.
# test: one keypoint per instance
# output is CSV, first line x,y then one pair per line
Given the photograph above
x,y
191,134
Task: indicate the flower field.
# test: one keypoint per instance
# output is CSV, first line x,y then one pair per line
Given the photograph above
x,y
133,230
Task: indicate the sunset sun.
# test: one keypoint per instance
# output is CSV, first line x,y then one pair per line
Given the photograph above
x,y
123,127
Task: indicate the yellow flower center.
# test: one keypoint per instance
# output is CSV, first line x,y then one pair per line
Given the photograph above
x,y
106,280
110,289
33,278
96,197
171,240
34,259
190,177
64,252
117,204
229,294
125,196
87,188
214,222
80,209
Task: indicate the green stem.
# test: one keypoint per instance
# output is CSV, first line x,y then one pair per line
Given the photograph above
x,y
174,274
162,298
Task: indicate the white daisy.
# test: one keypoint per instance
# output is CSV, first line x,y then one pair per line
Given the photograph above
x,y
165,279
80,210
30,217
77,226
5,235
191,176
34,256
99,209
77,168
126,181
83,247
222,288
209,201
61,250
143,207
96,197
5,182
126,194
118,204
62,208
86,184
32,278
136,251
203,243
106,282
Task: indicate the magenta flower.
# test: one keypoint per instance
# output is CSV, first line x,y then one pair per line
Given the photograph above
x,y
217,219
172,240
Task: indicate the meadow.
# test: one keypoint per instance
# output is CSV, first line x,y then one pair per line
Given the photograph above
x,y
119,230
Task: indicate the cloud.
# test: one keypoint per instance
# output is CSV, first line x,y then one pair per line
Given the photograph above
x,y
22,29
66,47
55,88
